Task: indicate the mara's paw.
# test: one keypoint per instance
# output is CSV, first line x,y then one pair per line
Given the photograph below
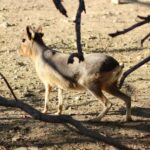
x,y
58,113
44,111
128,119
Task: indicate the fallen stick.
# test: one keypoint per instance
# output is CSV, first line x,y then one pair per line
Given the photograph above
x,y
8,85
61,119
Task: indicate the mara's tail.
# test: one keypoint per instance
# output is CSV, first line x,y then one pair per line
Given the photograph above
x,y
117,73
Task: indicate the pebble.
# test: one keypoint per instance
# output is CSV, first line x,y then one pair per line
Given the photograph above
x,y
4,24
21,148
77,97
32,148
16,77
21,64
28,95
15,138
115,1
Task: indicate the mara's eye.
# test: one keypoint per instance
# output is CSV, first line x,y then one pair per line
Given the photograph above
x,y
23,40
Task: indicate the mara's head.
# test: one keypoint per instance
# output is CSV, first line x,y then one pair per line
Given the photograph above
x,y
32,35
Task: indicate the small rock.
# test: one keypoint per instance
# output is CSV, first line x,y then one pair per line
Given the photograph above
x,y
21,148
92,37
32,148
56,146
16,88
21,64
77,98
16,77
15,138
115,21
15,71
115,1
28,95
4,24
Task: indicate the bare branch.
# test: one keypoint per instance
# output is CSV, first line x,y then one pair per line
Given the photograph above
x,y
79,55
60,7
144,18
129,71
61,119
9,87
146,37
144,21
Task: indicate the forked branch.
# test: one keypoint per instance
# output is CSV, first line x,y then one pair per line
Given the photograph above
x,y
129,71
61,119
79,55
144,21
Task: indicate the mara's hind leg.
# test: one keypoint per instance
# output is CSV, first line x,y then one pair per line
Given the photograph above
x,y
105,102
47,92
60,101
113,90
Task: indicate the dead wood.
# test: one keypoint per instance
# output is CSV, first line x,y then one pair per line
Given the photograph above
x,y
61,119
133,68
77,21
146,37
144,21
129,71
8,85
60,7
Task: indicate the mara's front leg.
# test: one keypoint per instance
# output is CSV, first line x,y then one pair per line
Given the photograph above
x,y
60,101
48,89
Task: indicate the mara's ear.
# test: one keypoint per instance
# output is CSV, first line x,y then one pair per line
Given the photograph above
x,y
41,34
30,32
39,29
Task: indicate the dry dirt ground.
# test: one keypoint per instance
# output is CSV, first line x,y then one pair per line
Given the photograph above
x,y
101,18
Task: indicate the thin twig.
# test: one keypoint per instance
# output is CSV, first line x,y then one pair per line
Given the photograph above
x,y
9,87
146,37
79,55
129,71
61,119
144,21
60,7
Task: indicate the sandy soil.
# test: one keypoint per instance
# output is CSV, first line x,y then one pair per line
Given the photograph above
x,y
101,18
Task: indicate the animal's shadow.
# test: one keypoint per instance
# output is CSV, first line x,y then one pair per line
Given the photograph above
x,y
136,111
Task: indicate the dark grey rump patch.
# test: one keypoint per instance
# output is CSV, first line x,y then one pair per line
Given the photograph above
x,y
109,64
